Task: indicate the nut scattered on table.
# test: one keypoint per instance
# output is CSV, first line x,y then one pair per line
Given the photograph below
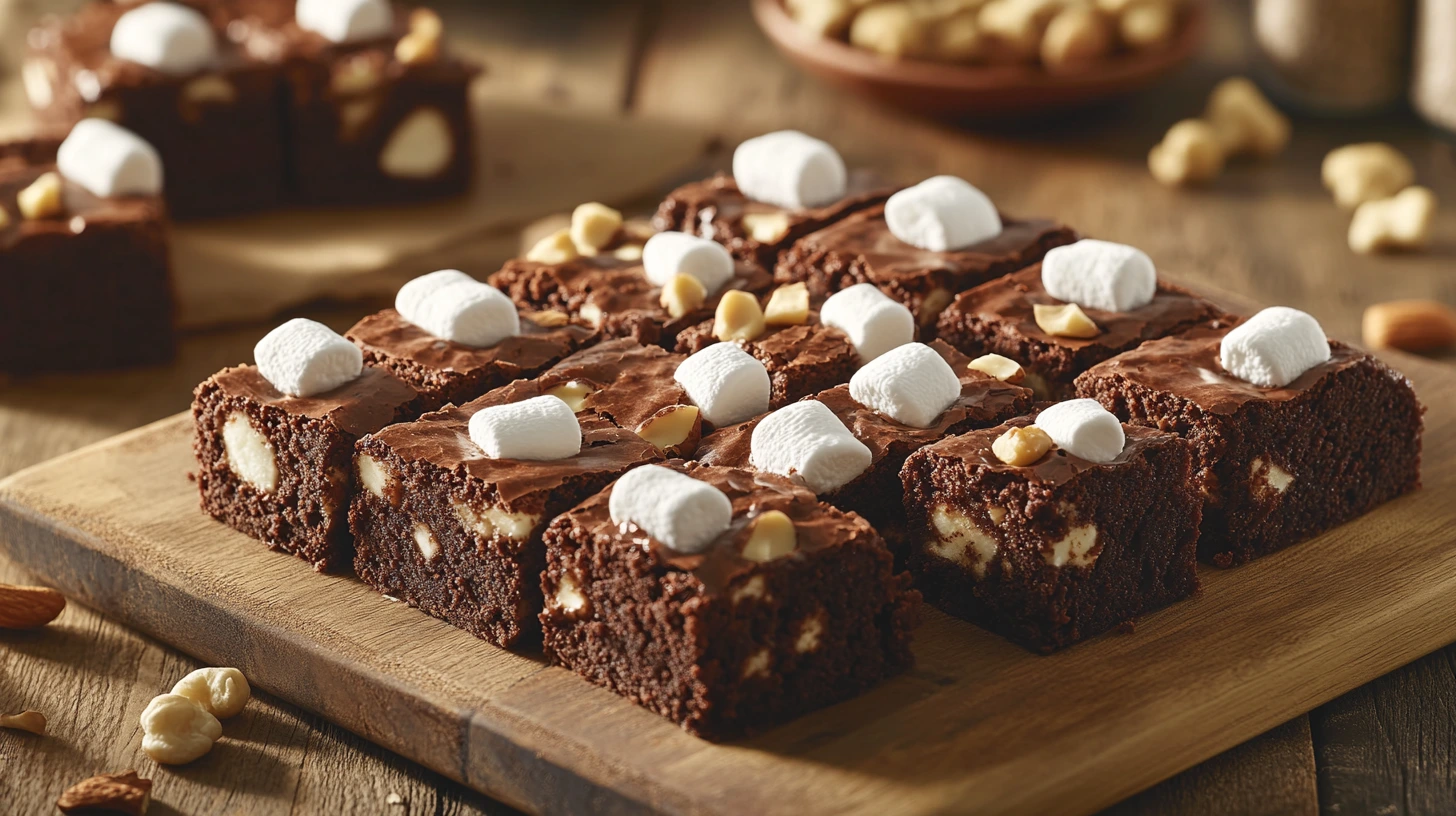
x,y
1067,320
124,793
1247,123
1004,369
42,199
788,306
1363,172
1401,222
28,607
1022,446
221,691
1410,325
683,295
772,536
32,721
556,247
1190,153
739,317
593,226
176,730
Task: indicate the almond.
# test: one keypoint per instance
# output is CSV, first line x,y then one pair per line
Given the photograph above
x,y
1410,325
108,793
27,607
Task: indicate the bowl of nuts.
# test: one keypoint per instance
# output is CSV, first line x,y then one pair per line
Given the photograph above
x,y
985,58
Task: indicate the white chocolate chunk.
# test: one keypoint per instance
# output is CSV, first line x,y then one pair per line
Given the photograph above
x,y
1274,347
372,475
421,147
537,429
249,453
753,590
425,540
303,357
1082,427
910,384
809,635
683,513
961,540
789,169
1100,275
451,305
1276,478
569,596
35,74
1074,549
167,37
727,383
108,160
344,21
806,440
942,214
771,536
757,664
671,253
874,323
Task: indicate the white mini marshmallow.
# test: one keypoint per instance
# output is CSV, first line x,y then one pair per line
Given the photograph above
x,y
789,169
726,383
910,384
683,513
1082,427
343,21
942,213
108,160
451,305
1100,275
875,323
538,429
667,254
807,440
303,357
166,37
1274,347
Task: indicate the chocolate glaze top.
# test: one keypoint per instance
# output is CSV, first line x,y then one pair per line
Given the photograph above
x,y
615,286
371,401
1188,366
1056,467
79,207
389,334
718,200
818,526
631,382
809,343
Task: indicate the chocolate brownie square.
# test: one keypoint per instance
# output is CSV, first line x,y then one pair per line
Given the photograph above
x,y
1057,551
87,286
457,534
722,641
715,208
1277,465
998,317
861,249
281,468
801,359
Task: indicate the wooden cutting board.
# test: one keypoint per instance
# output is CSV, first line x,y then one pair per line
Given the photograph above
x,y
978,726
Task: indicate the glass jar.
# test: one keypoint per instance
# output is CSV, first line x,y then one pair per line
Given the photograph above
x,y
1335,57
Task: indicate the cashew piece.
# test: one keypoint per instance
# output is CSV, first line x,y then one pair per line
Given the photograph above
x,y
1365,172
1245,120
1402,221
1190,153
176,730
221,691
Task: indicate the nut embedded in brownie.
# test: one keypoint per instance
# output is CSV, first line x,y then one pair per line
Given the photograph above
x,y
1052,533
1293,434
1036,316
275,441
725,600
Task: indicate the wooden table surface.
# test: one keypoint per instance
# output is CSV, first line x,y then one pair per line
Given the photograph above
x,y
1268,231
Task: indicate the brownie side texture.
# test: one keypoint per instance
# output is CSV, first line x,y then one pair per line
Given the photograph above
x,y
801,360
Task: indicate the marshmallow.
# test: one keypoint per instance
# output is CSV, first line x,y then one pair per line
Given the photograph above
x,y
346,20
807,440
726,383
1100,275
451,305
789,169
1274,347
108,160
910,384
1082,427
538,429
875,323
166,37
681,512
942,213
302,358
671,253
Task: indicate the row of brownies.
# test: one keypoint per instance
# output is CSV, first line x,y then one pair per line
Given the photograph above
x,y
721,490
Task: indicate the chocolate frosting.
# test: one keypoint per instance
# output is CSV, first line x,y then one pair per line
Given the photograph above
x,y
631,382
369,402
79,207
389,334
1057,466
720,205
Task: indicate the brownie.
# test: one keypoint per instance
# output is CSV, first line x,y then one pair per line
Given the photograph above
x,y
875,494
997,318
1278,465
458,535
88,289
716,642
444,371
1057,551
613,294
801,360
715,208
861,249
308,445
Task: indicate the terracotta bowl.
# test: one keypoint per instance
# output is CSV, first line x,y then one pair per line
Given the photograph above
x,y
975,91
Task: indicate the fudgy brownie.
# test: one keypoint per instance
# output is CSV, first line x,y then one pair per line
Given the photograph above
x,y
721,641
715,208
1058,551
1278,465
280,468
88,287
801,360
457,534
445,371
997,317
861,249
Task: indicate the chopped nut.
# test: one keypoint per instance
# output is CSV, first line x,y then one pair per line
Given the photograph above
x,y
682,295
124,793
628,252
548,319
422,43
772,536
176,730
221,691
554,248
1190,153
42,199
1147,23
1004,369
1364,172
1400,222
670,427
1076,36
591,313
788,306
573,393
1022,446
593,226
32,721
739,317
1245,120
892,29
1410,325
1067,320
29,607
766,228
